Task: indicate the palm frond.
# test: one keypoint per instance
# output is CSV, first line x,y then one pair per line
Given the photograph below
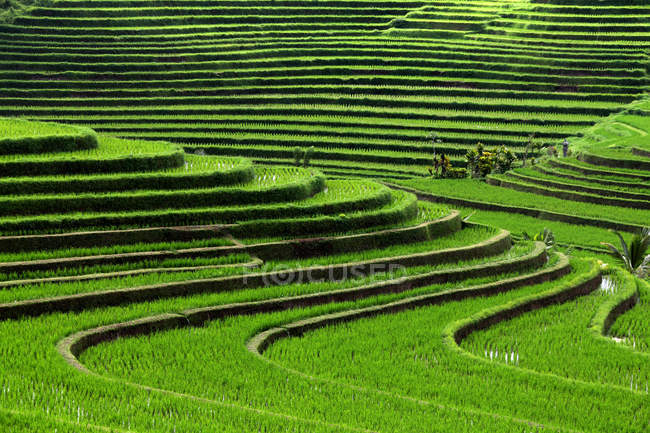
x,y
632,255
624,247
618,254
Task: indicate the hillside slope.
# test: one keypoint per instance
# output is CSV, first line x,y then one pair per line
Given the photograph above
x,y
364,83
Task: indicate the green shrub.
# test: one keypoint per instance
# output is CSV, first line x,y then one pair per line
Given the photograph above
x,y
297,155
308,155
481,162
503,159
456,173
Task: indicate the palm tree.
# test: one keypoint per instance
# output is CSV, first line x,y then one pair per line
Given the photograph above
x,y
633,255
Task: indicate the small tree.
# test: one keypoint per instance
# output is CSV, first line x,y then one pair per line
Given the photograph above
x,y
297,155
485,162
308,155
503,159
529,148
479,161
537,148
634,256
434,140
472,162
442,169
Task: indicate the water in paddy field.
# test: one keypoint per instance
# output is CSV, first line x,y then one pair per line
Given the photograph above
x,y
608,285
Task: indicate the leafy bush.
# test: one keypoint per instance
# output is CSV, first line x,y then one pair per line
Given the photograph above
x,y
297,155
456,173
551,152
481,162
308,154
442,169
503,159
304,155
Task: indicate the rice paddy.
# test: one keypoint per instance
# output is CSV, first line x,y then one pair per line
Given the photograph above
x,y
266,216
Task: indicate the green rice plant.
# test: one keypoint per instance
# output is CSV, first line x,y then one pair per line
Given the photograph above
x,y
340,195
470,189
45,289
558,340
545,175
132,268
114,357
217,241
466,237
324,354
631,328
112,155
272,185
426,212
358,83
19,136
98,359
588,237
618,173
196,172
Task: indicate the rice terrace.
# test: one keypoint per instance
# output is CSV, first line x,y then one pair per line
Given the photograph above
x,y
388,216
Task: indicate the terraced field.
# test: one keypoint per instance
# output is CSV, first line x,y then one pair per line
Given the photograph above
x,y
165,266
123,262
604,185
364,83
